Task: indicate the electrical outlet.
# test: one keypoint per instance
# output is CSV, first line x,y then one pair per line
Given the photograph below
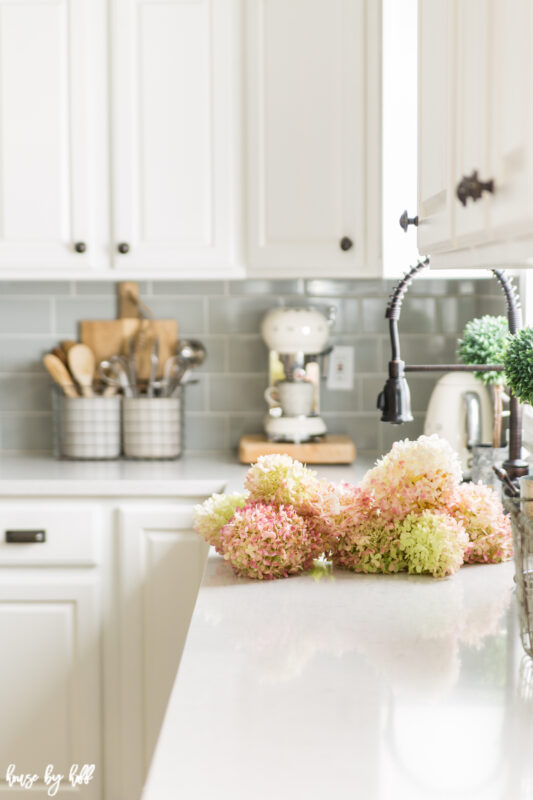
x,y
341,368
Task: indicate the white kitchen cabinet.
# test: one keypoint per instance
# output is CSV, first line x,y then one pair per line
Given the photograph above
x,y
512,120
161,562
435,111
476,115
471,118
52,163
50,627
175,172
157,190
92,623
313,137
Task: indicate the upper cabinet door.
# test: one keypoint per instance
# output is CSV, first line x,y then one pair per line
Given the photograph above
x,y
512,119
472,128
50,63
486,75
313,136
174,146
435,120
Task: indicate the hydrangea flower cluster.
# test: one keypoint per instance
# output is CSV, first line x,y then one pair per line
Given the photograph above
x,y
267,541
432,542
479,510
211,516
414,476
410,513
278,526
280,480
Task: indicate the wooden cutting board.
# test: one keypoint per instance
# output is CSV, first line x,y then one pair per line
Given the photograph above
x,y
330,450
109,337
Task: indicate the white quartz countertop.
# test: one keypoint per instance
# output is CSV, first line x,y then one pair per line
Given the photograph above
x,y
193,474
350,686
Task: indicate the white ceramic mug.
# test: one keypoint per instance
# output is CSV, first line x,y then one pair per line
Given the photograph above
x,y
294,397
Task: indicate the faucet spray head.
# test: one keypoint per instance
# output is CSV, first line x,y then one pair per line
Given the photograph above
x,y
395,400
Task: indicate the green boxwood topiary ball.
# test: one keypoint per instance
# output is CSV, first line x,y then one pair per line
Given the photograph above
x,y
484,342
518,363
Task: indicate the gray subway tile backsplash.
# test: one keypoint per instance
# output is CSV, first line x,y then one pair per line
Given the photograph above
x,y
228,400
22,315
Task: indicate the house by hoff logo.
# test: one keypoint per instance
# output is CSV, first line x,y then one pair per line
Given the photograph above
x,y
77,776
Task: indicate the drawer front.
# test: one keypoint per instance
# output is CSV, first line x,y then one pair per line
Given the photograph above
x,y
49,534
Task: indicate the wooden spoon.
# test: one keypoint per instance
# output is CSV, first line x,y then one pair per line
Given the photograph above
x,y
66,345
60,374
60,353
81,363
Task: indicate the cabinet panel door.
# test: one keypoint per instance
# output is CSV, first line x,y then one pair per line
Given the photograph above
x,y
49,677
435,124
472,129
174,105
48,161
307,115
512,119
161,565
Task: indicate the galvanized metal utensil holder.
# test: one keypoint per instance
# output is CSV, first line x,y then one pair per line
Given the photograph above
x,y
152,427
521,512
86,428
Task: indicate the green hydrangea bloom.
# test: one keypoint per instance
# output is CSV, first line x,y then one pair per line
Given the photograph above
x,y
432,543
211,516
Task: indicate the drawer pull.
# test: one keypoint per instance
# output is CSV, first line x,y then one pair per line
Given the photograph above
x,y
25,537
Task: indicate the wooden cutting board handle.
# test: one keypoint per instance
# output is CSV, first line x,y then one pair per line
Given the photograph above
x,y
128,300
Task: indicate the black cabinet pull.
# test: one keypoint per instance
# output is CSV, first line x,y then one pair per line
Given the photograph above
x,y
123,248
346,243
405,220
25,537
471,186
80,247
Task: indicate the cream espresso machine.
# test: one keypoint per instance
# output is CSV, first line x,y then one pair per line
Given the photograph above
x,y
297,340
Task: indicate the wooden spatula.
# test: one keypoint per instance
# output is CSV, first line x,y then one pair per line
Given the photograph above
x,y
60,374
81,364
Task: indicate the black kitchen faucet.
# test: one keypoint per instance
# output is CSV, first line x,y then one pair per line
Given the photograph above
x,y
395,400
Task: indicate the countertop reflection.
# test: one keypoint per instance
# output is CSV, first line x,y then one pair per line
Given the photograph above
x,y
370,687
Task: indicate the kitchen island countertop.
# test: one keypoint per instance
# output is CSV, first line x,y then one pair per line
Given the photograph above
x,y
349,686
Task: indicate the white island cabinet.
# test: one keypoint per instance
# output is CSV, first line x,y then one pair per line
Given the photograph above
x,y
475,124
50,624
96,595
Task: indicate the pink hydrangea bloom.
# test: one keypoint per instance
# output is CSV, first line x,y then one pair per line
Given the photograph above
x,y
478,508
321,510
414,476
365,542
267,541
432,542
280,480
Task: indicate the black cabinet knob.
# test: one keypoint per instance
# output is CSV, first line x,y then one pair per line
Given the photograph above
x,y
471,187
80,247
123,247
405,220
346,243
